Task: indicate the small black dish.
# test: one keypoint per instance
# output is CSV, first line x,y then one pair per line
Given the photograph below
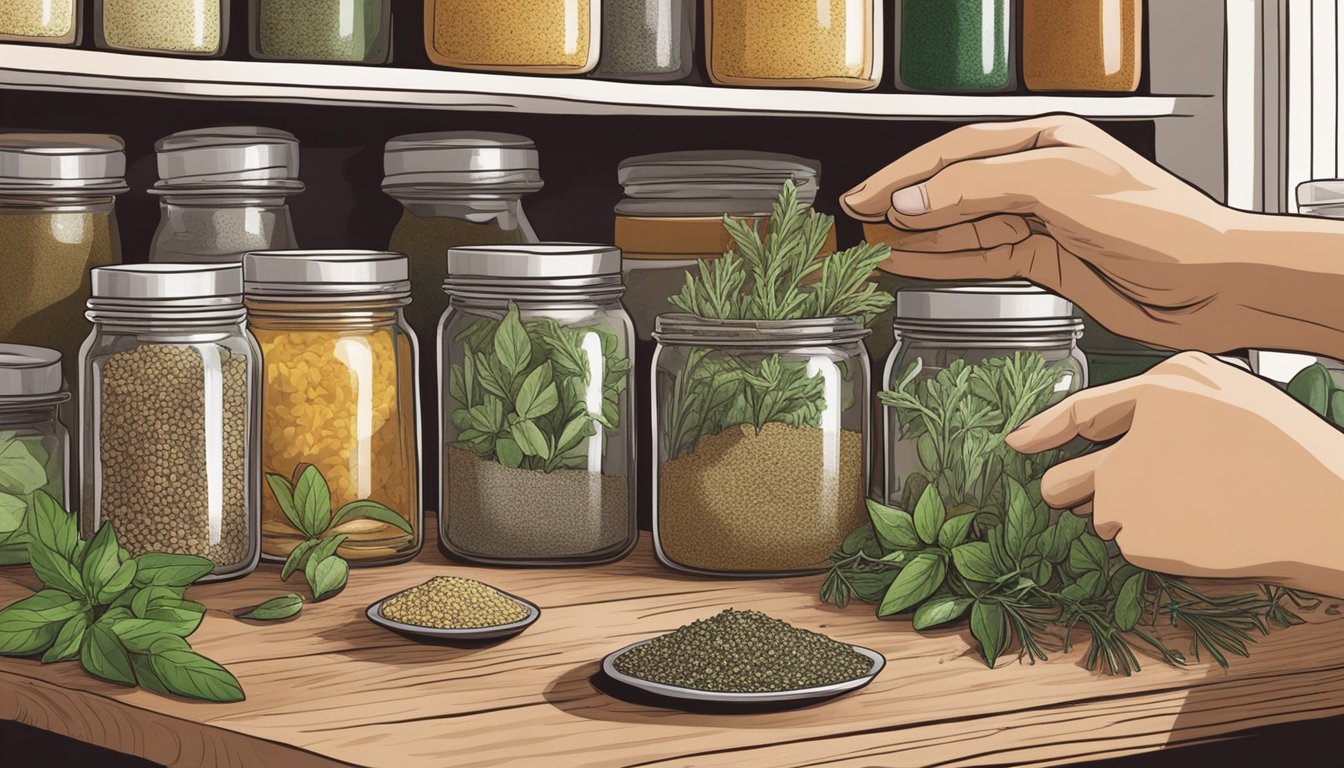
x,y
471,635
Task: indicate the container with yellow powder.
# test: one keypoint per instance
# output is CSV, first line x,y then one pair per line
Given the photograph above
x,y
177,27
49,22
538,37
339,391
834,44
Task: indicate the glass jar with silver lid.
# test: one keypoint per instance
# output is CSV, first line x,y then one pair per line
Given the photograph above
x,y
169,414
538,425
223,192
994,354
33,439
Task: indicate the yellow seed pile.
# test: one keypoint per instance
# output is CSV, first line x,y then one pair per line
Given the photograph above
x,y
744,502
188,26
546,34
786,40
449,602
344,402
37,18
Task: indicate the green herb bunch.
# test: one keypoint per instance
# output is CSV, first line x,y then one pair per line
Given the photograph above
x,y
306,503
980,540
520,391
26,467
124,618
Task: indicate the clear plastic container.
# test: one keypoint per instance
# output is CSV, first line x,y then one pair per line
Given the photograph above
x,y
170,411
176,27
956,45
538,417
339,391
1000,351
538,37
49,22
833,44
223,192
33,440
762,431
649,40
348,31
1082,45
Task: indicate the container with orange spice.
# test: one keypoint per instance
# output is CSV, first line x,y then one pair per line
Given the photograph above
x,y
1082,45
339,390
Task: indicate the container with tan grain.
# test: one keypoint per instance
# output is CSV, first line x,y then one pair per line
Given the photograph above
x,y
1082,45
197,28
536,37
48,22
833,44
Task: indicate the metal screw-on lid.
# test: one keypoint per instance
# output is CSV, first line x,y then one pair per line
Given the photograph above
x,y
326,274
42,162
27,371
989,302
1324,194
229,156
455,159
712,183
544,260
181,284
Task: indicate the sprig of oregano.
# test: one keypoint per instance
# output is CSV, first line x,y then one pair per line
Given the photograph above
x,y
124,618
26,467
520,394
306,504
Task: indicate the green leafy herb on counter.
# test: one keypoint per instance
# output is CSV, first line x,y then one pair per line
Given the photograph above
x,y
26,467
125,619
1315,388
275,609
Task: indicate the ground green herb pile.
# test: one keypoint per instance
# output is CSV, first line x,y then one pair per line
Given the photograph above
x,y
743,652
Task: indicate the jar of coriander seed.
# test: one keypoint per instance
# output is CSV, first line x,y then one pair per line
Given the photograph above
x,y
48,22
175,27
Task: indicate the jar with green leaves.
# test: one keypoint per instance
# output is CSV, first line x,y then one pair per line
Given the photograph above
x,y
761,400
34,443
537,410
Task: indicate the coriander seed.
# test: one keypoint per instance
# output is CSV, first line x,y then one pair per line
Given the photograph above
x,y
450,602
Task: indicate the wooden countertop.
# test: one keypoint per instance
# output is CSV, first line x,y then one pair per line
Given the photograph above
x,y
330,688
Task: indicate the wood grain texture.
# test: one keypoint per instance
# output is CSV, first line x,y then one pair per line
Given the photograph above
x,y
330,688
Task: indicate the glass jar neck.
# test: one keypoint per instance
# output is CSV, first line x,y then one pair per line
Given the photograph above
x,y
250,199
1063,335
72,202
168,324
525,301
504,209
31,411
684,329
286,314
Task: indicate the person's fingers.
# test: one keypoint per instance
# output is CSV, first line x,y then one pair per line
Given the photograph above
x,y
974,189
971,236
1072,483
871,199
1105,524
1096,414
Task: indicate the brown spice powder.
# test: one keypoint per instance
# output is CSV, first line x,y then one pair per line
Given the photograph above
x,y
1071,45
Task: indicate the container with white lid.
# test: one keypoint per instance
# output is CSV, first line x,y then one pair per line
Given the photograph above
x,y
33,397
537,431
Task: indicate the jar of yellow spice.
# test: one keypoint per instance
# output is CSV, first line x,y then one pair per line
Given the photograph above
x,y
538,37
339,391
834,44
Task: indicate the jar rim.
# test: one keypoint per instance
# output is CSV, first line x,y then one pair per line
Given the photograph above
x,y
685,328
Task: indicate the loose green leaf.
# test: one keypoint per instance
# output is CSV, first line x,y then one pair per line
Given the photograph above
x,y
365,509
118,584
895,528
102,655
298,557
326,577
955,531
101,560
52,528
312,499
56,572
275,609
919,579
29,626
67,642
284,496
1088,553
989,627
975,561
1129,603
148,596
187,673
1021,523
940,610
929,515
156,569
138,634
326,547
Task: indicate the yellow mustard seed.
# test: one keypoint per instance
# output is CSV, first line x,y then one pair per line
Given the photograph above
x,y
450,602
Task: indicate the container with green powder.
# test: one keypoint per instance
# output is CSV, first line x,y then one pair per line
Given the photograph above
x,y
352,31
955,45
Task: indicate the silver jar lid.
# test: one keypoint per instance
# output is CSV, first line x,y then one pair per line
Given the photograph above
x,y
244,156
459,159
712,183
988,302
178,284
70,162
30,372
326,275
1321,193
534,271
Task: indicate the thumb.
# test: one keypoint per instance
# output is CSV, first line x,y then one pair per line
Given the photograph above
x,y
974,189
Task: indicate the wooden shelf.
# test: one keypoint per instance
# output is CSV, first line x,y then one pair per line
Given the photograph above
x,y
83,71
330,688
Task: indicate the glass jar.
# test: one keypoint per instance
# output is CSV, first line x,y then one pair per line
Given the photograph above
x,y
57,193
339,392
177,27
538,37
649,40
352,31
457,189
955,45
1082,45
538,419
33,440
794,43
169,410
222,193
1323,198
1002,351
762,442
50,22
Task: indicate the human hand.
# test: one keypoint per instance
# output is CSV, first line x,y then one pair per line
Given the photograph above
x,y
1216,473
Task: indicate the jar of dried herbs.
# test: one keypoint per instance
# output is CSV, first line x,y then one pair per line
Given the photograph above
x,y
177,27
49,22
537,37
833,44
169,408
352,31
762,430
538,417
971,364
34,443
457,188
1082,45
648,40
223,192
339,391
956,45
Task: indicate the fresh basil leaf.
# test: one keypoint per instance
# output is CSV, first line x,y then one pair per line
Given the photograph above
x,y
929,515
1065,531
157,569
508,452
919,579
284,496
861,540
537,396
67,642
56,572
14,552
298,557
125,599
29,626
895,527
975,561
1088,553
20,471
103,656
955,530
1129,603
326,577
574,432
138,634
13,511
146,677
365,509
1311,387
1019,522
530,440
148,596
312,499
118,584
177,612
101,560
940,610
1087,586
928,454
189,674
513,349
275,609
51,527
989,626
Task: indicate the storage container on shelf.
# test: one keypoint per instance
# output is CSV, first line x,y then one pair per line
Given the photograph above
x,y
1082,45
170,409
340,391
762,442
984,328
538,416
57,221
1323,198
223,192
955,45
539,37
49,22
350,31
649,40
177,27
794,43
33,439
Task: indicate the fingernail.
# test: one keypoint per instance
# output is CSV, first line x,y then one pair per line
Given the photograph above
x,y
849,196
911,201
